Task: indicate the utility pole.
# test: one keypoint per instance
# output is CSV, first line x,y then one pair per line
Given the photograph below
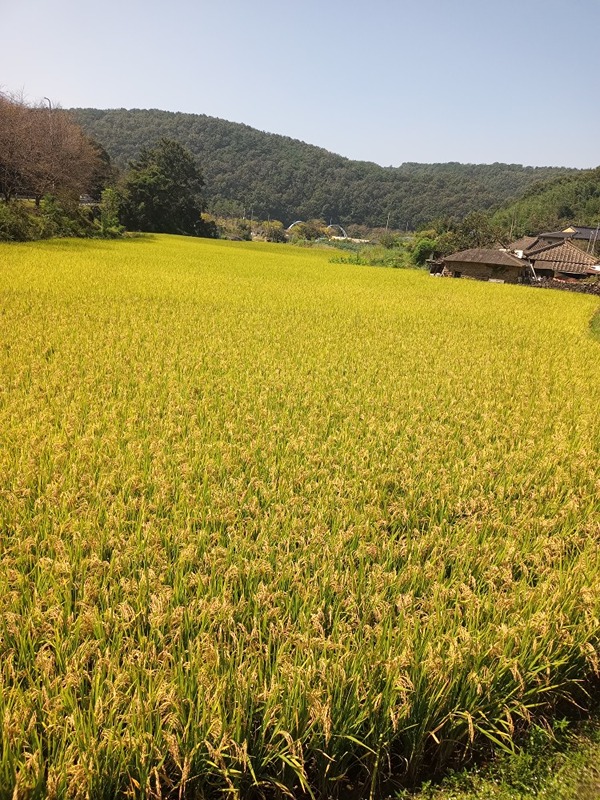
x,y
51,138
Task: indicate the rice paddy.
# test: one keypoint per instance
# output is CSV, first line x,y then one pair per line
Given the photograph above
x,y
276,526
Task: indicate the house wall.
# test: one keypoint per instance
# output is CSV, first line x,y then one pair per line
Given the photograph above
x,y
485,272
549,270
543,272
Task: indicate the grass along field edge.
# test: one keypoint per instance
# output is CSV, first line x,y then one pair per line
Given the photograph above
x,y
558,763
595,325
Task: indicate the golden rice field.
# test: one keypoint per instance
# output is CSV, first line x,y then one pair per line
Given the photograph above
x,y
276,526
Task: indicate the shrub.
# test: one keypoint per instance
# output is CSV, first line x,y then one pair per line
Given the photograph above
x,y
15,223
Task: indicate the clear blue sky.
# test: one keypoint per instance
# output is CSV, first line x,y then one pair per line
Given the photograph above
x,y
412,80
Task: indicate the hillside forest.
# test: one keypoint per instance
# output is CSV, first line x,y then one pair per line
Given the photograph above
x,y
252,173
160,171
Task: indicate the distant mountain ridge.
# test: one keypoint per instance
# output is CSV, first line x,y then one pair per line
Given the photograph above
x,y
250,172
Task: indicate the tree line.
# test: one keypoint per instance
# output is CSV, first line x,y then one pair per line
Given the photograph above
x,y
48,165
250,173
549,206
154,183
553,205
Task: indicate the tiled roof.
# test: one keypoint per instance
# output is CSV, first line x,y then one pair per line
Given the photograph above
x,y
481,256
524,243
556,235
539,246
563,257
579,232
582,231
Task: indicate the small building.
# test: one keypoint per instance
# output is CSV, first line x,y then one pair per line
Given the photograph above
x,y
583,236
527,258
562,260
487,265
557,258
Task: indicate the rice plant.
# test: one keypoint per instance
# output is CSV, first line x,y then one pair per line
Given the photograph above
x,y
272,526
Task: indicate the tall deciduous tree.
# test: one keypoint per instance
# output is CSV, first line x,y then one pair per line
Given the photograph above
x,y
64,159
162,191
43,151
13,144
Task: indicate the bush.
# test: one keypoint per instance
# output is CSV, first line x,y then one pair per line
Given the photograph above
x,y
423,249
21,222
60,218
15,223
374,256
108,222
236,229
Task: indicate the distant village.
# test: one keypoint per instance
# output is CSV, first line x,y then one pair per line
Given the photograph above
x,y
570,257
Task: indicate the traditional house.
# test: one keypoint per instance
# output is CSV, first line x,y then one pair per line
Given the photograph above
x,y
561,260
583,236
529,257
486,265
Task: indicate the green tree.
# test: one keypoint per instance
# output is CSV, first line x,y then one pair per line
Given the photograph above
x,y
476,230
271,230
389,239
161,192
108,223
266,175
423,249
446,243
310,230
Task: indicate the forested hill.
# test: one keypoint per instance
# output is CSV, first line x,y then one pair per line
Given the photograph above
x,y
554,204
251,172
